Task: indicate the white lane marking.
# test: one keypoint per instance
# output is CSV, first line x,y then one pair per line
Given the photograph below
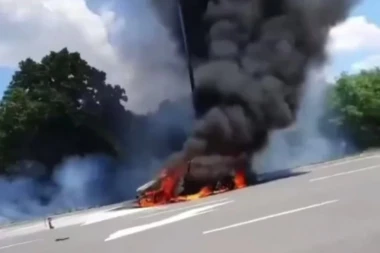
x,y
270,216
172,219
344,173
333,164
18,244
182,208
103,216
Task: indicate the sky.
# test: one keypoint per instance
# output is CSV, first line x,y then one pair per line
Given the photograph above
x,y
121,45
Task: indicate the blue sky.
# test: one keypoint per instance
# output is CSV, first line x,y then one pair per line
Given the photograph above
x,y
341,62
370,9
5,77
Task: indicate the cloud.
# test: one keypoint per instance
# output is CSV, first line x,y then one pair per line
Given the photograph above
x,y
356,33
32,28
353,45
133,49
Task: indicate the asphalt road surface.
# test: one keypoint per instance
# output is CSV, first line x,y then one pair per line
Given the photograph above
x,y
333,209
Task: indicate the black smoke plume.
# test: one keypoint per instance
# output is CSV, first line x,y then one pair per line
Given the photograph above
x,y
251,59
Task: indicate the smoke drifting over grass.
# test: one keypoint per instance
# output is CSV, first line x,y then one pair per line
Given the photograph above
x,y
77,183
96,179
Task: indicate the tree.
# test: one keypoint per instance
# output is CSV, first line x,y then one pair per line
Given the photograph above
x,y
355,104
58,107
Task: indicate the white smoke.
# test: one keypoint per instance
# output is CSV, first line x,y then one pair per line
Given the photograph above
x,y
303,143
77,183
146,45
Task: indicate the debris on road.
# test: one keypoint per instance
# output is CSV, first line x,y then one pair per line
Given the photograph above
x,y
62,239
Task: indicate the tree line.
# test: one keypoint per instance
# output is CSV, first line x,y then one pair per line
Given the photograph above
x,y
62,106
353,108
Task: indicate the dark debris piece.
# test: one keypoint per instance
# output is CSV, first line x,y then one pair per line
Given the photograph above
x,y
62,239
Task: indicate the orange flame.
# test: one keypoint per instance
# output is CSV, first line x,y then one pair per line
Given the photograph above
x,y
240,179
169,181
204,192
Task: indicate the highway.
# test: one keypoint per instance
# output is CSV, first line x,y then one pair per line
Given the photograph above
x,y
334,208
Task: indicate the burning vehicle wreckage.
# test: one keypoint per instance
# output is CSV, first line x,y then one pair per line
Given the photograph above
x,y
200,177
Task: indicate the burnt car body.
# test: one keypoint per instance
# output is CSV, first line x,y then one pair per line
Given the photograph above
x,y
212,171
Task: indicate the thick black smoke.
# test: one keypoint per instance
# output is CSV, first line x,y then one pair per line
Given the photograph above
x,y
251,60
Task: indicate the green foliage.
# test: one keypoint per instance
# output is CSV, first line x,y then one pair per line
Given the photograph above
x,y
355,101
55,98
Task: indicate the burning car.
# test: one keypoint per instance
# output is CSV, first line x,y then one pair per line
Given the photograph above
x,y
200,177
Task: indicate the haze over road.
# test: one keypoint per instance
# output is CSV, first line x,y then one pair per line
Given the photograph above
x,y
332,209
